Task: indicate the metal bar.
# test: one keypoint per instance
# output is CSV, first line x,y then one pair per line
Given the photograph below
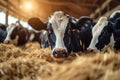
x,y
7,13
12,10
68,3
107,14
103,6
111,11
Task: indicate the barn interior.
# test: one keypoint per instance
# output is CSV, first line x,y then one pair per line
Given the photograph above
x,y
30,62
25,9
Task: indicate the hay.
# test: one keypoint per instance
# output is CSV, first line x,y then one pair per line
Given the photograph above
x,y
29,62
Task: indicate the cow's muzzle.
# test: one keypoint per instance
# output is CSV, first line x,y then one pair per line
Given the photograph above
x,y
7,41
60,53
91,50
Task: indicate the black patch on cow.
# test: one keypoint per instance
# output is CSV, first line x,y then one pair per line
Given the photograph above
x,y
117,39
51,35
22,33
3,35
85,25
104,38
71,37
117,34
3,32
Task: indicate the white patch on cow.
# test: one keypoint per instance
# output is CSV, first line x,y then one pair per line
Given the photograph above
x,y
32,36
45,33
113,14
80,42
10,29
43,38
96,31
112,41
59,23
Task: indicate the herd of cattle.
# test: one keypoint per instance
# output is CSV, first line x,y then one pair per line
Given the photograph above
x,y
66,34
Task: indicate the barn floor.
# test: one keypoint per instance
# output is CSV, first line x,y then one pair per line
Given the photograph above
x,y
29,62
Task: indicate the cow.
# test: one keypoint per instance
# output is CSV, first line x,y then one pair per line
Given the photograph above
x,y
16,34
66,33
3,32
115,18
106,33
102,35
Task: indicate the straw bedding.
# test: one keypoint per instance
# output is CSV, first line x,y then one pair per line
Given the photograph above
x,y
30,62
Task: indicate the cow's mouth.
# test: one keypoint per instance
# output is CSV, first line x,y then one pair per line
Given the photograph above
x,y
60,53
90,50
14,41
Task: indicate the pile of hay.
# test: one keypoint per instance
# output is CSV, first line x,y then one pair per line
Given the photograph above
x,y
29,62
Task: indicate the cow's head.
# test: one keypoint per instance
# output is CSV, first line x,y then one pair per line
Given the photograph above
x,y
15,35
102,34
62,34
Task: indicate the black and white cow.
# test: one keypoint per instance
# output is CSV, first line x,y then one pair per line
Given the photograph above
x,y
16,35
60,30
67,34
3,32
102,35
106,33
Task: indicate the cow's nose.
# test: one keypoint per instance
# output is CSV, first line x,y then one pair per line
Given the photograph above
x,y
7,41
90,50
60,53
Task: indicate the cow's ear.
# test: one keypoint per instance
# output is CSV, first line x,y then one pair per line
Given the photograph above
x,y
36,23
